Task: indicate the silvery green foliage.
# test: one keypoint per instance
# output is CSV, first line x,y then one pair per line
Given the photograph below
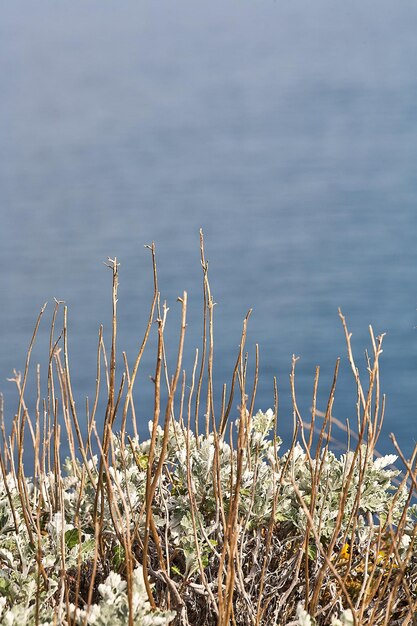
x,y
345,619
304,619
190,467
22,588
265,474
350,477
113,606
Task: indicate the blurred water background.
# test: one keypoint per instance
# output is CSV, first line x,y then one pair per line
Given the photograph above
x,y
286,130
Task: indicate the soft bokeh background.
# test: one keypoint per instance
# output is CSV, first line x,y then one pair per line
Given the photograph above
x,y
286,130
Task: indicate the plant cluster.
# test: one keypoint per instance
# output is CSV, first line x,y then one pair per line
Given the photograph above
x,y
202,524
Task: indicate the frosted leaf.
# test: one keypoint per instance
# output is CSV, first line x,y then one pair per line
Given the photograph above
x,y
304,619
383,461
346,619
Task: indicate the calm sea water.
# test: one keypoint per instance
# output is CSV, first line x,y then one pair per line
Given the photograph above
x,y
286,130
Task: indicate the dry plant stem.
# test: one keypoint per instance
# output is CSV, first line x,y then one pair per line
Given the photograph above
x,y
51,412
166,562
297,419
399,579
143,345
401,524
367,577
20,420
148,494
171,396
223,404
365,421
232,529
29,352
110,414
164,358
47,438
347,476
373,425
208,306
50,381
246,519
379,419
2,425
132,404
65,409
367,417
313,409
5,452
9,495
118,399
17,379
314,601
307,447
327,420
117,521
125,534
78,526
113,265
71,398
204,265
217,484
255,382
94,567
190,395
411,473
225,417
348,336
327,417
382,587
37,441
63,578
152,482
210,402
57,438
324,554
96,393
315,472
106,364
193,507
377,350
182,400
225,548
271,524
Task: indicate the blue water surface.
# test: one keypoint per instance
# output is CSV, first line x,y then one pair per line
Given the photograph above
x,y
286,130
